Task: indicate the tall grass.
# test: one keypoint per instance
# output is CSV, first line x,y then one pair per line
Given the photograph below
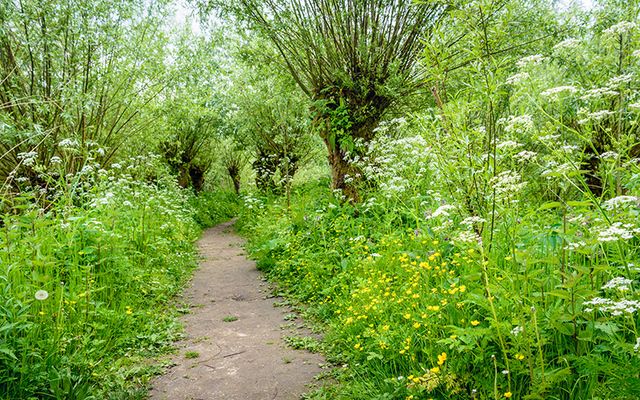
x,y
86,274
495,254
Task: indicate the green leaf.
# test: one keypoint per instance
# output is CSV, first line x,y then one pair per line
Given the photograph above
x,y
550,205
578,204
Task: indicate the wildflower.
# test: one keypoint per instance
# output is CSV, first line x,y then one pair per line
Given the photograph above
x,y
618,283
567,44
475,322
443,210
518,124
636,348
507,184
516,331
28,158
508,144
517,78
620,201
620,28
619,80
554,93
530,60
42,295
417,325
442,358
609,155
505,372
55,160
615,232
508,395
435,370
519,357
598,93
68,143
525,156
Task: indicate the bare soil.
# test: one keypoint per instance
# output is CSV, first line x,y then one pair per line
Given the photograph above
x,y
222,357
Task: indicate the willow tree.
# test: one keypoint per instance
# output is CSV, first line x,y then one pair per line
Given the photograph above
x,y
353,58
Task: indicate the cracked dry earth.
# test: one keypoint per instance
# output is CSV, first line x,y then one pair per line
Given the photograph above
x,y
245,359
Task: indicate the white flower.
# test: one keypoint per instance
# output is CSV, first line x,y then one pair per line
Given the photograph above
x,y
517,78
636,348
443,210
597,93
517,330
28,158
620,28
525,156
619,283
530,60
55,160
616,308
68,143
42,295
566,44
469,237
619,80
621,201
568,148
507,184
556,91
518,124
614,233
596,116
609,155
470,221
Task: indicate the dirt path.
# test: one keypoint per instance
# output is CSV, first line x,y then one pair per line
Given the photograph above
x,y
244,359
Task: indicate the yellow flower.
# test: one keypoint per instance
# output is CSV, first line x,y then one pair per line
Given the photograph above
x,y
519,357
508,395
442,358
417,325
475,322
435,370
407,316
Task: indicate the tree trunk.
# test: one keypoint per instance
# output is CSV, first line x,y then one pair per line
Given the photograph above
x,y
344,175
234,174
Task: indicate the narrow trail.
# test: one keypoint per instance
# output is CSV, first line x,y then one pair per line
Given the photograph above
x,y
245,359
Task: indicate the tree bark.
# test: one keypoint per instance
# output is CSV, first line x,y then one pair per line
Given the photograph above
x,y
344,175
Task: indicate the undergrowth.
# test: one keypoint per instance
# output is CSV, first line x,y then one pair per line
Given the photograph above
x,y
87,269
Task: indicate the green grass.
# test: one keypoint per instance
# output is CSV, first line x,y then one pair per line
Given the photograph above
x,y
413,314
230,318
85,286
191,354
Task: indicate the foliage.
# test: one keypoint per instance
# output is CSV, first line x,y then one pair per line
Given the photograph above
x,y
495,253
74,74
353,66
267,114
83,281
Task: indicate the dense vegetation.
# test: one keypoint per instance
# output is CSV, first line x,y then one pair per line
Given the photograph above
x,y
450,189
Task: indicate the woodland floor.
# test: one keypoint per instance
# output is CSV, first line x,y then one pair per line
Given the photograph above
x,y
243,359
